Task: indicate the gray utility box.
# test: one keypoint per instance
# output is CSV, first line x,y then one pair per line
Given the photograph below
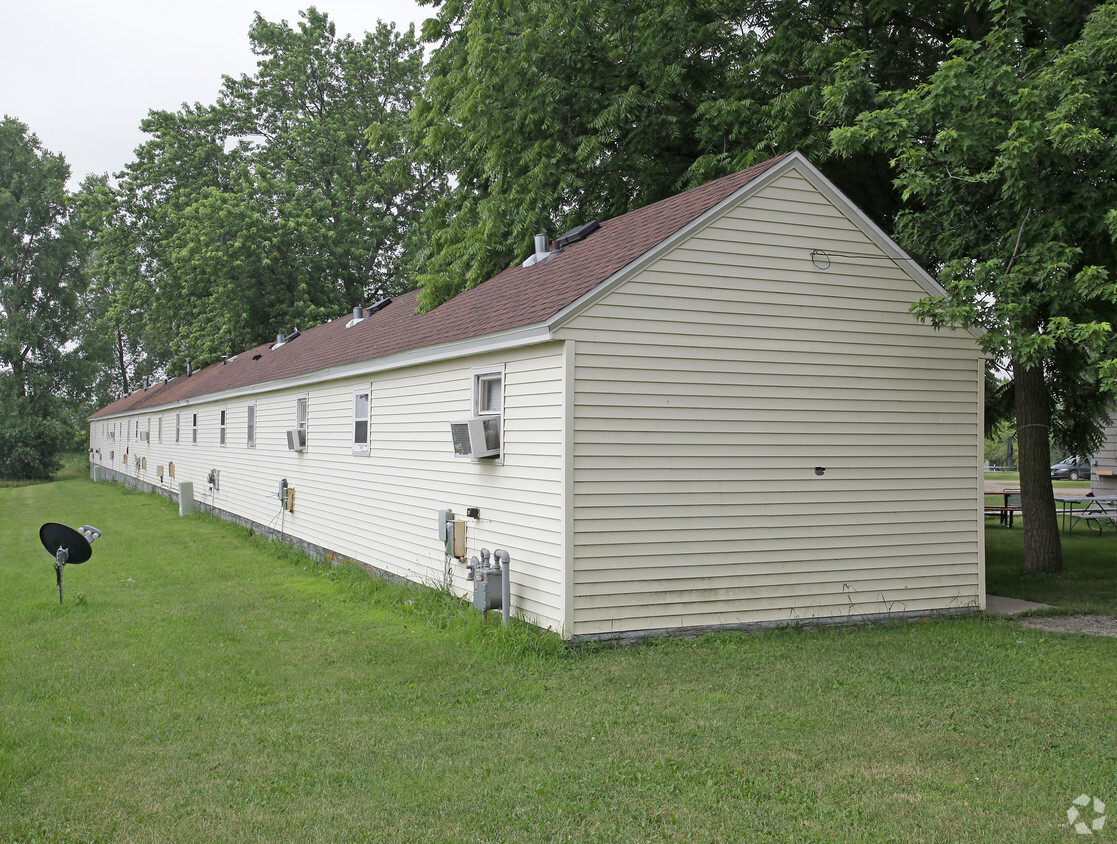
x,y
486,592
185,498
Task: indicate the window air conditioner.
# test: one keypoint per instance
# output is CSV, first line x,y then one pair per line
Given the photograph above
x,y
476,437
296,439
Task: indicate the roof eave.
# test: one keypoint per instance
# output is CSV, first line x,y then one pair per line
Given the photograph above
x,y
513,338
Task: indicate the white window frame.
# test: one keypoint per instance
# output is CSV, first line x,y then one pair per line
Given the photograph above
x,y
358,446
222,425
302,414
194,429
484,376
250,425
160,434
481,377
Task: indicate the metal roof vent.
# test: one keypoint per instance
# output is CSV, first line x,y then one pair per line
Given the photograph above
x,y
361,314
541,253
578,233
358,316
281,340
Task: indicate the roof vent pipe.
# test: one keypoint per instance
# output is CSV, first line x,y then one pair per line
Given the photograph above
x,y
541,253
359,315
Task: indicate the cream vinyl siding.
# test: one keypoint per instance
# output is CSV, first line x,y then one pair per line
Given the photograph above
x,y
381,508
710,385
1104,466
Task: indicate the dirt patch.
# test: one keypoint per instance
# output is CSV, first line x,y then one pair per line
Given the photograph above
x,y
1094,625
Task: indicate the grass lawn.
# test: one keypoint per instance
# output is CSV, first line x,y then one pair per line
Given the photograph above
x,y
199,684
1087,584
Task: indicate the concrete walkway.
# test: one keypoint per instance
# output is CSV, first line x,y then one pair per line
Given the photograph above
x,y
1011,606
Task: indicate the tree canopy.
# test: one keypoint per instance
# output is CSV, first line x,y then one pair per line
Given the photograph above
x,y
288,201
41,279
1005,157
549,115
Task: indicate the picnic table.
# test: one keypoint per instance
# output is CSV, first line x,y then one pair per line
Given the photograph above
x,y
1099,511
1009,509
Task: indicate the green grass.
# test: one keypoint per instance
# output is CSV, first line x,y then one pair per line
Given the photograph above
x,y
199,684
1088,582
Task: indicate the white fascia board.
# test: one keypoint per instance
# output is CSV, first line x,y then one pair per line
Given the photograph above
x,y
794,161
512,339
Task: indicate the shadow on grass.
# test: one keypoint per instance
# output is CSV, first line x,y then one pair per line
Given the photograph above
x,y
1087,584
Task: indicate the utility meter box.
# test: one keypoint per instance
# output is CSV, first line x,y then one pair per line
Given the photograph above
x,y
486,592
456,543
452,532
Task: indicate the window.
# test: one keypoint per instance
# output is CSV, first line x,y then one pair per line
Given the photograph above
x,y
178,425
301,414
361,414
137,430
160,427
194,429
221,429
488,392
252,424
488,403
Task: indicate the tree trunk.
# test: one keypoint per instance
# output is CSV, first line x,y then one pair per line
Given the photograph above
x,y
120,362
1043,550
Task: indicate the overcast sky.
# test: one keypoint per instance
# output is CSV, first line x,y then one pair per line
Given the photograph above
x,y
82,74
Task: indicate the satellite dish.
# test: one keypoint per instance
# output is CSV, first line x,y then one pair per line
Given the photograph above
x,y
67,545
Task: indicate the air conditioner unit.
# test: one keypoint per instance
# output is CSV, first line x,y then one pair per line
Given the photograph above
x,y
296,439
476,437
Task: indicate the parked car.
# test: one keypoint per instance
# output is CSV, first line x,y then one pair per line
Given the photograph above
x,y
1071,469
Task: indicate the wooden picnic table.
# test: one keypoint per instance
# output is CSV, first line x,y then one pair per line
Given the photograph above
x,y
1009,509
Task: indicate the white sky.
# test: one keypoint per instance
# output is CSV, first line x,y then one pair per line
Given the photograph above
x,y
82,74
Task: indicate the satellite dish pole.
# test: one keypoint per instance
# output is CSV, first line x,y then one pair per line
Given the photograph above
x,y
67,545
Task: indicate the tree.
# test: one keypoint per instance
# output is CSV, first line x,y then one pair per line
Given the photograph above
x,y
285,203
549,115
41,262
1006,156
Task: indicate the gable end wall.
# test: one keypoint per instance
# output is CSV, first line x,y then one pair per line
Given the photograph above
x,y
710,386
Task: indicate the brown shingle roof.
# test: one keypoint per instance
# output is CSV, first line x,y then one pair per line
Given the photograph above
x,y
515,298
